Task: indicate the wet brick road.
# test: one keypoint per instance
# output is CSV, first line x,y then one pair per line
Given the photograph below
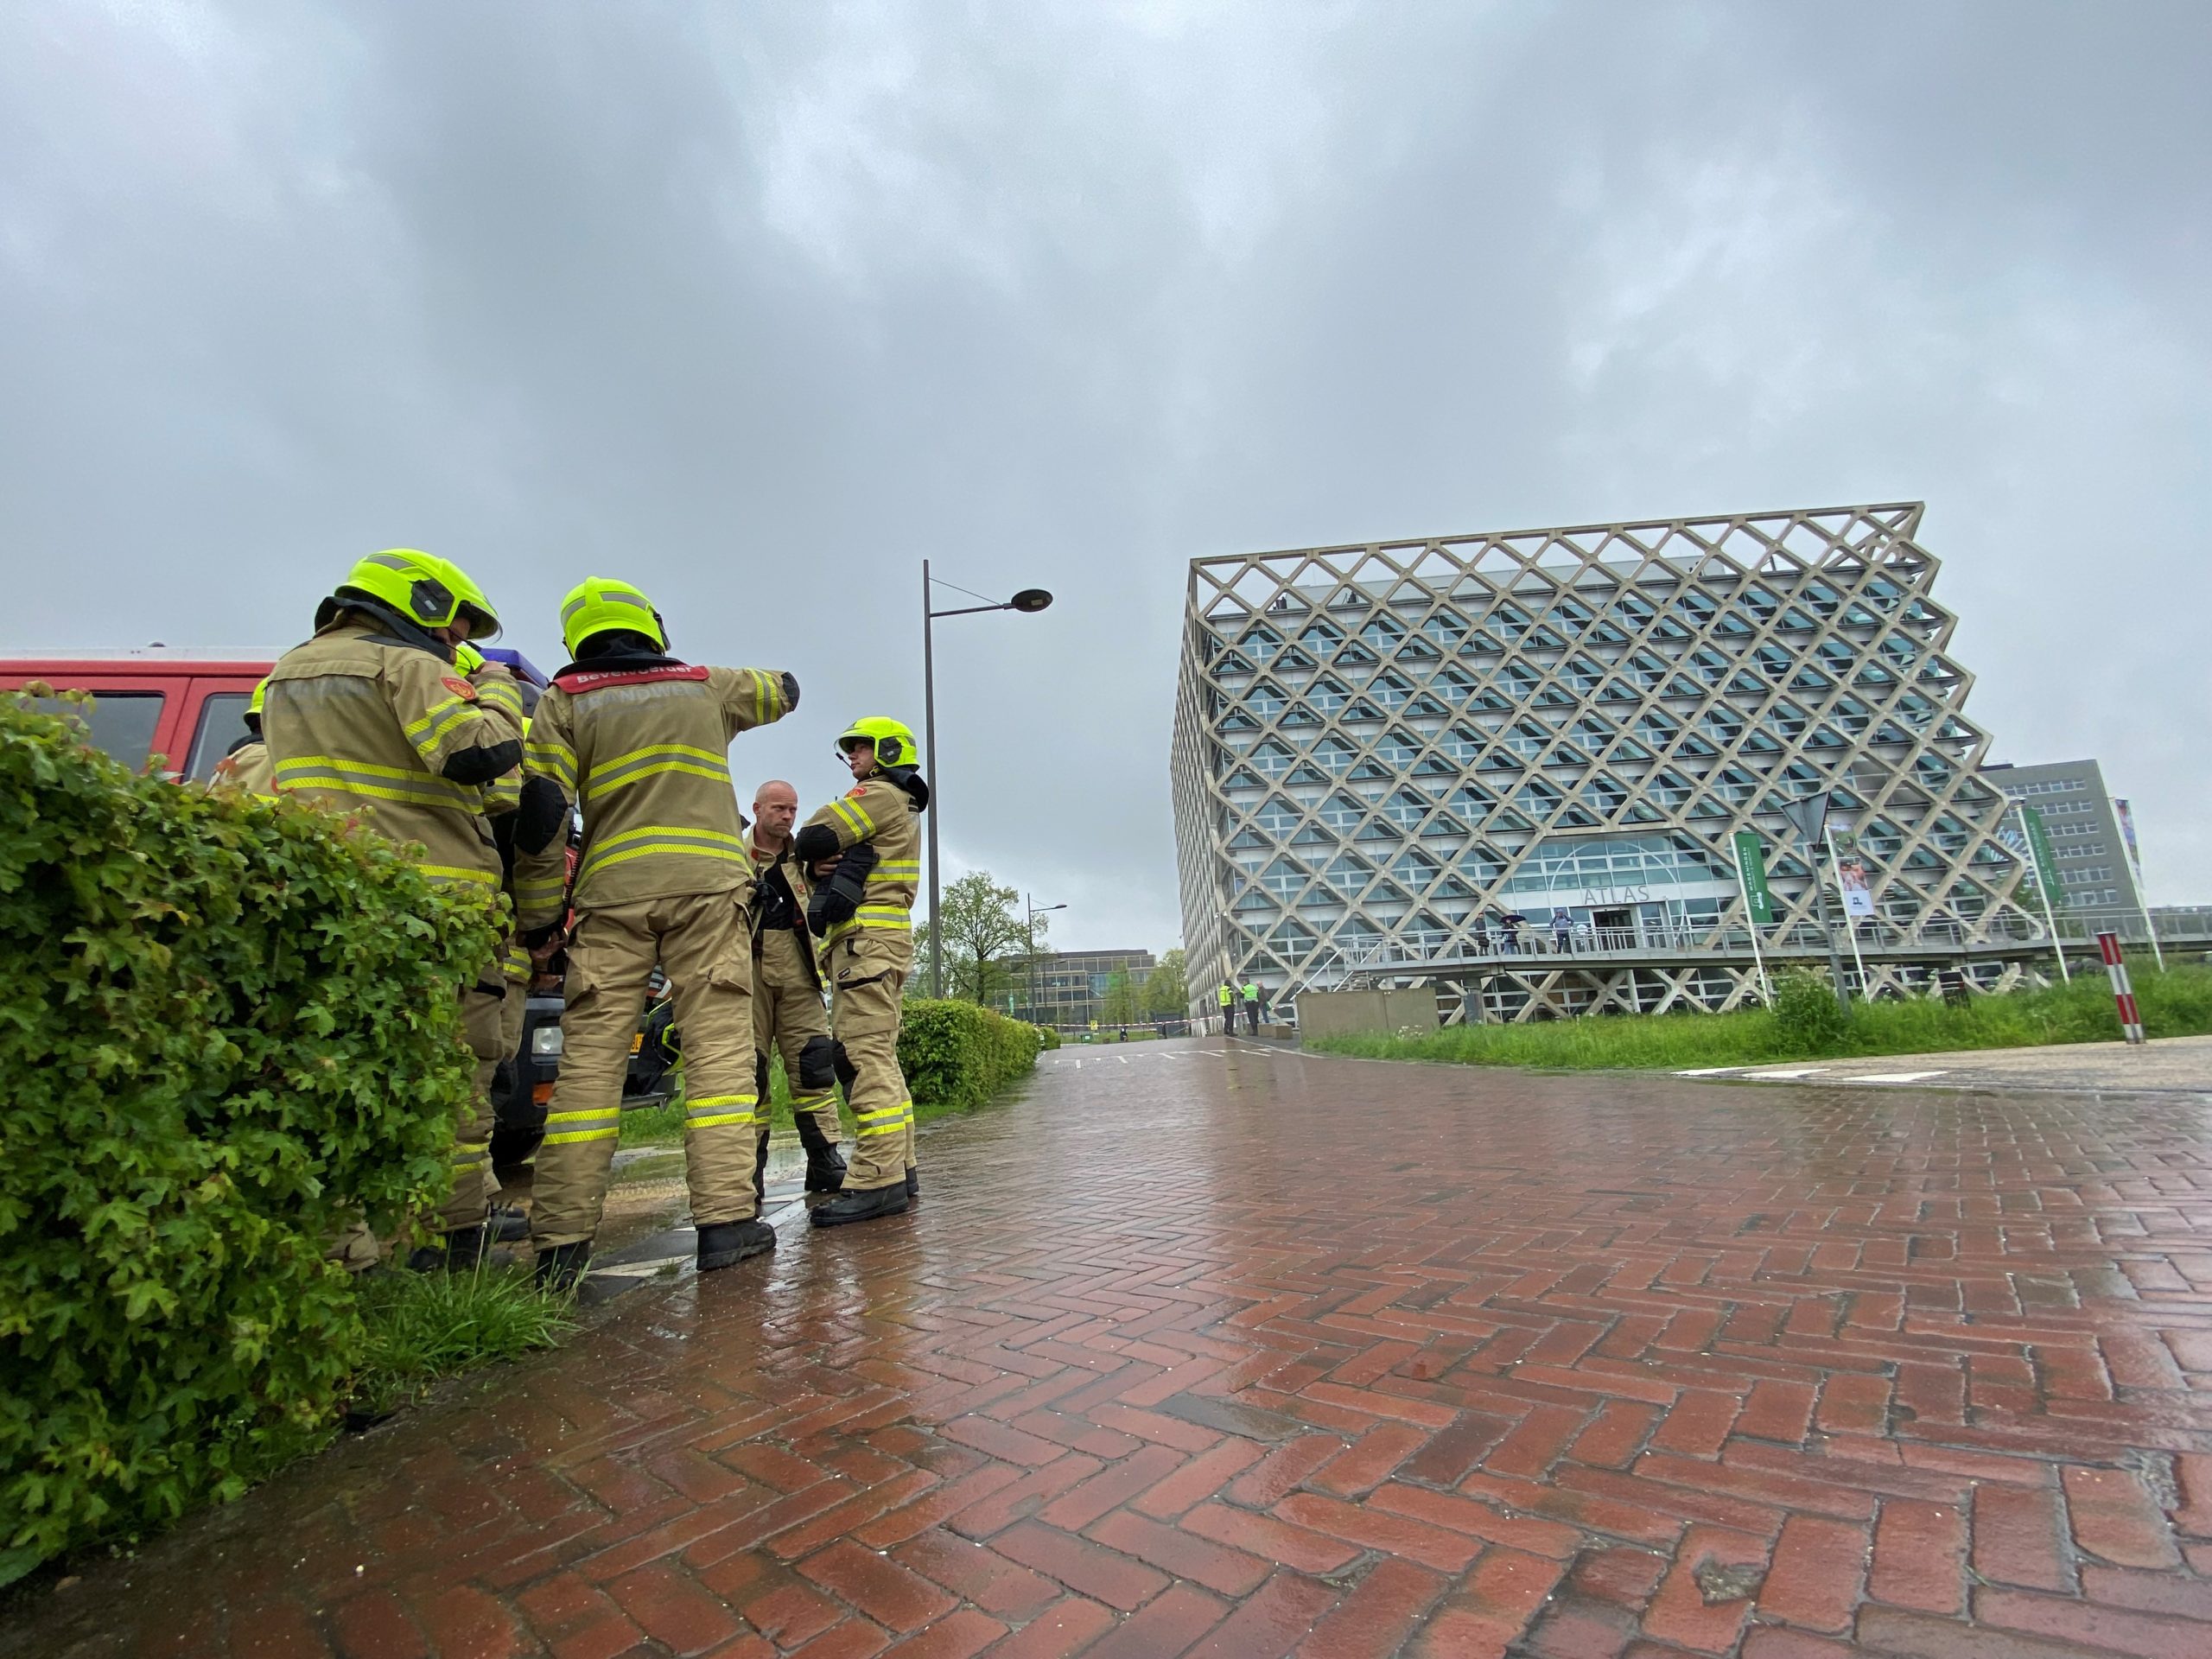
x,y
1243,1354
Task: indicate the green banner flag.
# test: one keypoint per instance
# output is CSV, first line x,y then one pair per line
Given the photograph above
x,y
1750,870
2045,867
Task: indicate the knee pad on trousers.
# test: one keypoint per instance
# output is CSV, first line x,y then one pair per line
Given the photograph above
x,y
848,1073
817,1063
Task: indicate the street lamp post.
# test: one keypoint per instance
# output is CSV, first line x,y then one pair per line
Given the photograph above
x,y
1035,911
1028,600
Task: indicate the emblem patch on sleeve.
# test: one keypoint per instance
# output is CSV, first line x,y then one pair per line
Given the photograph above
x,y
459,687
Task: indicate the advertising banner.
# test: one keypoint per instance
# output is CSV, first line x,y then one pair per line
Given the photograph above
x,y
1750,870
2127,817
2046,862
1850,877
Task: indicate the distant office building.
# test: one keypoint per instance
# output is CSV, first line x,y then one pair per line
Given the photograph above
x,y
1517,762
1072,985
2093,873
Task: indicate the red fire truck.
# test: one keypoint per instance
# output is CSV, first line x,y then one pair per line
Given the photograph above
x,y
188,706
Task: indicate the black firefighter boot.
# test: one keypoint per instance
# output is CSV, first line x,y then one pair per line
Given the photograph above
x,y
726,1243
461,1250
825,1165
849,1205
913,1182
560,1267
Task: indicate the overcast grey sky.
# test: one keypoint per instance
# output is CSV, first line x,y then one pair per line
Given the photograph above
x,y
759,305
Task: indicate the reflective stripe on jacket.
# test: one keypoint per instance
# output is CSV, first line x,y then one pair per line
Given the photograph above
x,y
646,756
366,723
880,812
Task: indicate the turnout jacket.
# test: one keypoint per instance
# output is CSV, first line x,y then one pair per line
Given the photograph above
x,y
887,811
782,946
642,746
245,767
371,717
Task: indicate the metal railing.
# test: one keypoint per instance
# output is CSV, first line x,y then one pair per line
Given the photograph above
x,y
1424,948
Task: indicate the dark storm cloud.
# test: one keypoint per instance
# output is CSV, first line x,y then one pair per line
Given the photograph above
x,y
762,306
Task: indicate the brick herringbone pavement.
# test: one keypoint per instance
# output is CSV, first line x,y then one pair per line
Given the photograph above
x,y
1251,1354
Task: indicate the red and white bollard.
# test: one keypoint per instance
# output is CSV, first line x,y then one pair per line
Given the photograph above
x,y
2131,1018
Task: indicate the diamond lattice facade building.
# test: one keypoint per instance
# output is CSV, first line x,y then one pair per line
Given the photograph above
x,y
1515,762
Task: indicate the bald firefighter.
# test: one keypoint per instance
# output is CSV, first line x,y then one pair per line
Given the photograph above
x,y
245,765
640,741
787,1015
373,715
863,855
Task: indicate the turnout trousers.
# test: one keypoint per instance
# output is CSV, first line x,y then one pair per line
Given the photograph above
x,y
704,944
866,973
786,1012
483,1018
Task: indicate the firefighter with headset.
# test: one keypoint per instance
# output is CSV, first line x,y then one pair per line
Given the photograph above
x,y
863,852
639,741
246,764
373,715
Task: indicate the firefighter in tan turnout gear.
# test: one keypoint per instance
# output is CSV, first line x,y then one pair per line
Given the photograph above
x,y
863,854
640,741
787,1013
246,765
497,688
373,716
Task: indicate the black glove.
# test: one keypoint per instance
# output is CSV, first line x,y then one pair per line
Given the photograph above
x,y
837,900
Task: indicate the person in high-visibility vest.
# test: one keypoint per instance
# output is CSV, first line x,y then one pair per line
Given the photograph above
x,y
1226,997
1252,1006
639,743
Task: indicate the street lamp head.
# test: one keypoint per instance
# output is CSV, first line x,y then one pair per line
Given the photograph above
x,y
1030,599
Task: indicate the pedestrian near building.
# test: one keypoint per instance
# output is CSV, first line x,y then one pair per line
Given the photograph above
x,y
245,765
639,740
372,715
787,1013
1226,996
862,855
1252,1008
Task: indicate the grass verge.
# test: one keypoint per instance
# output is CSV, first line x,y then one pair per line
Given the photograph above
x,y
427,1326
2175,1003
662,1125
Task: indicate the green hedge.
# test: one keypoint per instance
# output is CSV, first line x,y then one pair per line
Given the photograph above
x,y
958,1055
221,1018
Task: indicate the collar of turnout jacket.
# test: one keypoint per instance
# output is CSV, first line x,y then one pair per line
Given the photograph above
x,y
365,722
642,749
886,810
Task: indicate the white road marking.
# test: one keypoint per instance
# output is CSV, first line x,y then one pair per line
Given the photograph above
x,y
1123,1058
1709,1072
1785,1077
1889,1076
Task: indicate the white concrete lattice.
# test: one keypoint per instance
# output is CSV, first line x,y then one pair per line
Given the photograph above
x,y
1387,744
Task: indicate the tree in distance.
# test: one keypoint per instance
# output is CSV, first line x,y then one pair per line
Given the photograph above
x,y
985,940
